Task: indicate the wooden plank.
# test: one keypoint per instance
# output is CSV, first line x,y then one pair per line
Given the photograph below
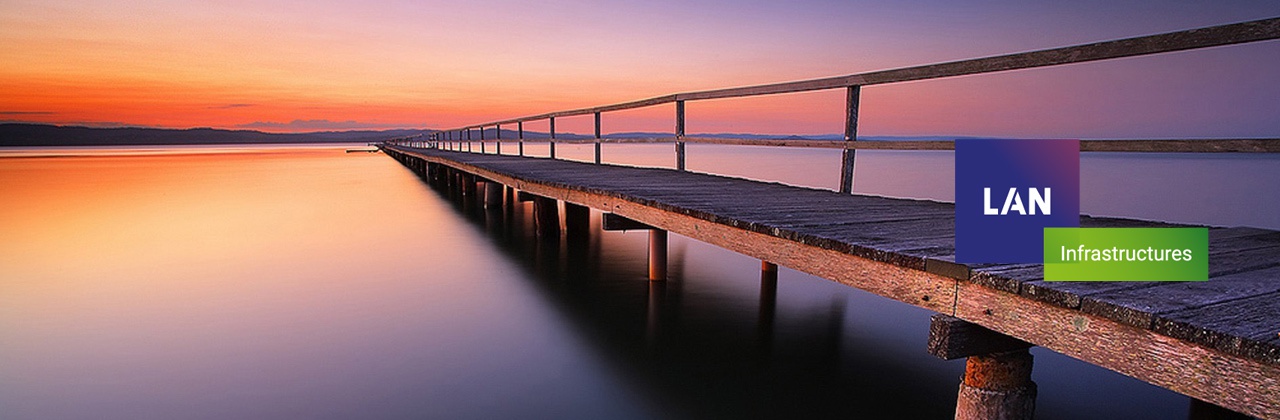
x,y
1231,251
1240,383
1140,306
951,338
1183,146
1246,327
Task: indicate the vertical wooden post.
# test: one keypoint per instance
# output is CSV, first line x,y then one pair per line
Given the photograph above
x,y
511,196
553,137
520,136
492,195
850,135
997,386
469,187
497,145
657,255
577,222
597,137
679,135
546,215
482,140
768,303
446,179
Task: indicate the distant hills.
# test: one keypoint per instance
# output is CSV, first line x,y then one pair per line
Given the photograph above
x,y
22,134
27,135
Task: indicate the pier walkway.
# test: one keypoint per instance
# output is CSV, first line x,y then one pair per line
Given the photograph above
x,y
1217,341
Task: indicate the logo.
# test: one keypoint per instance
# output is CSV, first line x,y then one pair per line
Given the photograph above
x,y
1008,191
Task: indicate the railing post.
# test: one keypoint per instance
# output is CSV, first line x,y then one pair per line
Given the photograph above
x,y
497,146
679,135
482,139
850,136
597,137
553,137
520,136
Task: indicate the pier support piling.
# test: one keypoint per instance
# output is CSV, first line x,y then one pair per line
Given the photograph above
x,y
768,304
546,216
468,186
997,386
492,195
997,376
577,222
657,255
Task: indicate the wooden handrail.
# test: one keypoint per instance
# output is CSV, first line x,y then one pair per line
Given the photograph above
x,y
1255,145
1213,36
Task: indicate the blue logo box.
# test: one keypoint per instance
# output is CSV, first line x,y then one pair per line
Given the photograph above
x,y
1008,191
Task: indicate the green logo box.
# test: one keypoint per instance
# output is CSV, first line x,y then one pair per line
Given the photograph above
x,y
1126,254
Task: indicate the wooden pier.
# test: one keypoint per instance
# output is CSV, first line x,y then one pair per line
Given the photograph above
x,y
1216,341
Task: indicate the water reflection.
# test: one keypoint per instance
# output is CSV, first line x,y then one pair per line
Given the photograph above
x,y
318,284
724,338
270,284
695,346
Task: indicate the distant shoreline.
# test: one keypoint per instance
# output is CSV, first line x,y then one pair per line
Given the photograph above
x,y
38,135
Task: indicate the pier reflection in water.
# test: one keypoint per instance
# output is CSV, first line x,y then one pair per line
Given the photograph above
x,y
725,337
268,283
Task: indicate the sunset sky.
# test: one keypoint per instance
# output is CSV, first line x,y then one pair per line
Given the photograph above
x,y
278,65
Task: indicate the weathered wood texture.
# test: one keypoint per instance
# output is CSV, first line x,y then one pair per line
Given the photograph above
x,y
1216,341
951,338
1237,33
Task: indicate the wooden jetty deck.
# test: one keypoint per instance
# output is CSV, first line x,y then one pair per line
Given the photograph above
x,y
1217,341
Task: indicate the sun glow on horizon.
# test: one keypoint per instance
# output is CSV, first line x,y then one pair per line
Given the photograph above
x,y
287,67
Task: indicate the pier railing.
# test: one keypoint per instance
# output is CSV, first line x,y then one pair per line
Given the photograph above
x,y
1236,33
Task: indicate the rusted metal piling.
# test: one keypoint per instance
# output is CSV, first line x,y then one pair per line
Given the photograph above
x,y
997,387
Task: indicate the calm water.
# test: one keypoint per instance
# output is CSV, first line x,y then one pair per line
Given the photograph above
x,y
310,283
